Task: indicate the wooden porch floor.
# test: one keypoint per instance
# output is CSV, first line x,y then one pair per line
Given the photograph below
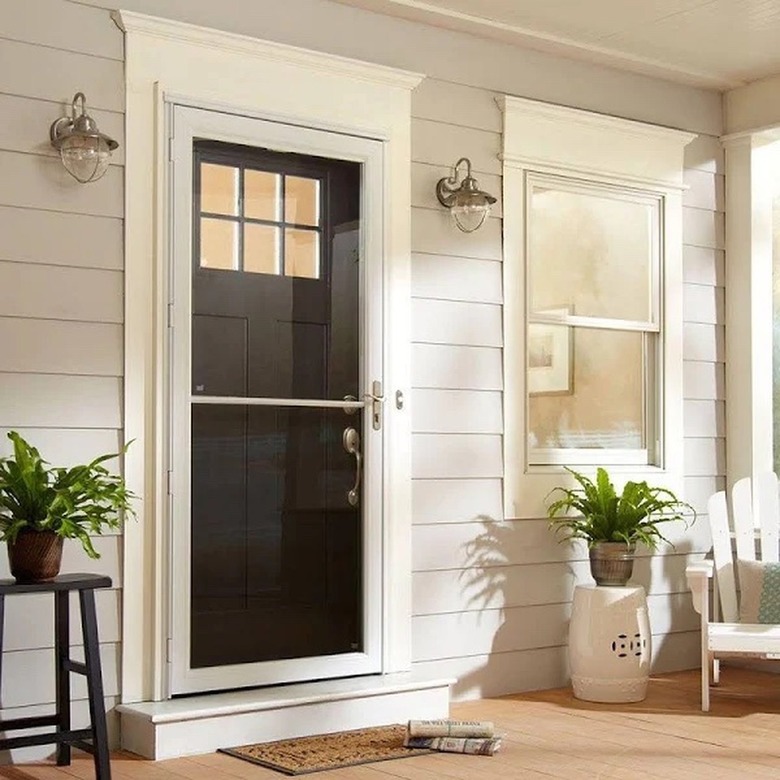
x,y
548,734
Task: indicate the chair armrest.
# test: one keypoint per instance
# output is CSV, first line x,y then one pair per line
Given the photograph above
x,y
698,575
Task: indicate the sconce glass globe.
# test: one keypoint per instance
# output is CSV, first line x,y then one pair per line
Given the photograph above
x,y
84,150
468,204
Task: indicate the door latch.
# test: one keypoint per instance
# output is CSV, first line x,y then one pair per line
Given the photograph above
x,y
376,399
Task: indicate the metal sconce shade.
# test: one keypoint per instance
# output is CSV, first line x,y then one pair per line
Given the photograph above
x,y
84,150
468,204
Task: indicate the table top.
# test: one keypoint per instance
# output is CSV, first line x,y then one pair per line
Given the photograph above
x,y
59,583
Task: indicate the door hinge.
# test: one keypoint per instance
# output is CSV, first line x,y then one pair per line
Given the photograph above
x,y
170,315
170,149
168,650
170,483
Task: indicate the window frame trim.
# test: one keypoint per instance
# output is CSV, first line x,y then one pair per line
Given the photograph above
x,y
552,141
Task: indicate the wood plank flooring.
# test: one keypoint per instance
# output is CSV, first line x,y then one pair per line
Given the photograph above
x,y
548,734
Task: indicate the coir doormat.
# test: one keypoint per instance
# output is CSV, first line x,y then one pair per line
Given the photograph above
x,y
328,751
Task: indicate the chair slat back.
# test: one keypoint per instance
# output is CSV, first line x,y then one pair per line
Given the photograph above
x,y
768,510
742,517
717,509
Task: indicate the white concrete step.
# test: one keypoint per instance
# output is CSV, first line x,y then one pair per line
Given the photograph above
x,y
201,724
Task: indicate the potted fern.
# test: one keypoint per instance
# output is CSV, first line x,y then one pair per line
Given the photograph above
x,y
613,524
41,505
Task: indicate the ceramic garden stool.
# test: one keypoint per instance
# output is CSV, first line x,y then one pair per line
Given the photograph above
x,y
94,739
609,643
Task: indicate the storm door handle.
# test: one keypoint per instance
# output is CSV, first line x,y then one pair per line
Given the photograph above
x,y
351,439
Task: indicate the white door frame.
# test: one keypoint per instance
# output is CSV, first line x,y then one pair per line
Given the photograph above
x,y
270,81
188,124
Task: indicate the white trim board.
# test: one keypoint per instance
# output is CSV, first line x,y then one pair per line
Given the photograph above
x,y
203,68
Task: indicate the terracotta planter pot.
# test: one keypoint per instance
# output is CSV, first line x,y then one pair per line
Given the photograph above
x,y
35,556
612,563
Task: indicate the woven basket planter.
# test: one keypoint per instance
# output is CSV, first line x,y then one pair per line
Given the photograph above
x,y
35,556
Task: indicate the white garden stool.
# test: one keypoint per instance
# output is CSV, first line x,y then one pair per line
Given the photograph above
x,y
609,643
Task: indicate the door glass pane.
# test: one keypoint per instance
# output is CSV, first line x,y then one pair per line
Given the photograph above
x,y
262,195
219,244
586,388
219,189
301,201
261,249
585,247
276,546
302,253
299,330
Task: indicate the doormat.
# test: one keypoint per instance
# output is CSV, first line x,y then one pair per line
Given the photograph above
x,y
328,751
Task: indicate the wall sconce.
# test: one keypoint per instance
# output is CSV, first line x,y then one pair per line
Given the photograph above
x,y
468,204
84,150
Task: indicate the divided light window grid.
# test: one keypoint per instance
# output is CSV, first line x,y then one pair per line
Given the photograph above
x,y
258,221
593,323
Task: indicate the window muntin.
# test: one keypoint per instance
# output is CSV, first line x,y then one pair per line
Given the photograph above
x,y
259,221
592,329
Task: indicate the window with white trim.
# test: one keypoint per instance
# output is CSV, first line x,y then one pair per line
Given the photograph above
x,y
593,299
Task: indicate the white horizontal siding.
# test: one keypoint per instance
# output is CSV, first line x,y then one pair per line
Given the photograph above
x,y
28,675
41,182
453,456
42,72
56,238
704,380
437,143
58,293
512,585
457,411
702,265
29,619
456,279
66,447
451,367
71,27
456,500
57,401
456,323
518,542
59,347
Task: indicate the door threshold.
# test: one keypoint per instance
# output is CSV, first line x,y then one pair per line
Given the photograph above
x,y
206,722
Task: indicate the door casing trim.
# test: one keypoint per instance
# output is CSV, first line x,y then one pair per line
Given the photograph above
x,y
249,77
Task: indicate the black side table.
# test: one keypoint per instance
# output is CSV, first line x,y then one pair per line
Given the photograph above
x,y
64,736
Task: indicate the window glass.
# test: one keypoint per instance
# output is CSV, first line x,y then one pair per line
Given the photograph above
x,y
261,249
219,189
219,244
262,195
301,201
583,247
586,388
302,253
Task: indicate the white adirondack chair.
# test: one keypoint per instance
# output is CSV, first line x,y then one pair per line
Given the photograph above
x,y
730,637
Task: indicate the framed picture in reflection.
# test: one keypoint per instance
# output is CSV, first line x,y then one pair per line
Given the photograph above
x,y
551,356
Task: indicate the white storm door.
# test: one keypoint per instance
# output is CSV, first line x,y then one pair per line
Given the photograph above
x,y
275,402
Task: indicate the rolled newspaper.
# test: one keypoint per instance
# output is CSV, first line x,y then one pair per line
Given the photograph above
x,y
450,728
476,747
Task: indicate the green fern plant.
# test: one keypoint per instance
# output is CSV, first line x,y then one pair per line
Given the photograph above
x,y
601,515
74,503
